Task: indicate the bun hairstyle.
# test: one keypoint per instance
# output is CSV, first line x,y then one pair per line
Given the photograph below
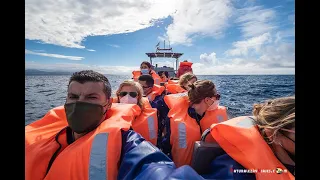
x,y
200,90
192,86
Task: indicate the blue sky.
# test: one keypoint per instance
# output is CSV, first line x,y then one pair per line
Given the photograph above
x,y
112,37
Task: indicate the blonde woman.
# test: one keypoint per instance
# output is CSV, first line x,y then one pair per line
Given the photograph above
x,y
264,142
182,85
146,124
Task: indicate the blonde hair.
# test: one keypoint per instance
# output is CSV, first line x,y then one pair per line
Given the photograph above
x,y
275,114
138,88
185,78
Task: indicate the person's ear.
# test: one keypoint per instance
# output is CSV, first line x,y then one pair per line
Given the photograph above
x,y
109,103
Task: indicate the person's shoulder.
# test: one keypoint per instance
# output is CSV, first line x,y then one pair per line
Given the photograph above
x,y
131,135
225,167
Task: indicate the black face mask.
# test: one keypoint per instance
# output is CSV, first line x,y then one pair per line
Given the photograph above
x,y
82,116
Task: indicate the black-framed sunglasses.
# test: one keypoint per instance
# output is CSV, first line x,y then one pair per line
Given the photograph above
x,y
132,94
199,100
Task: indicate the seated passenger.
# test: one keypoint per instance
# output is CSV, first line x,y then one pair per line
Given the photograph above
x,y
89,138
264,141
145,68
182,86
189,115
163,76
155,94
146,123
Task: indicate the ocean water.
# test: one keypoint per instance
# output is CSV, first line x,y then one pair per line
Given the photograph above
x,y
238,92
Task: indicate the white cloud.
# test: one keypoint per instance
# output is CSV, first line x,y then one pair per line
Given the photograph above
x,y
68,23
249,68
287,33
269,58
209,59
278,56
198,17
38,50
255,20
113,45
75,58
254,43
92,50
120,70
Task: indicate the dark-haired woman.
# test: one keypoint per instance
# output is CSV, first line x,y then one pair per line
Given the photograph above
x,y
190,113
146,68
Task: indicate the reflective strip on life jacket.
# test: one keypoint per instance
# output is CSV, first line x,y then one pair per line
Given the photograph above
x,y
98,155
182,135
152,130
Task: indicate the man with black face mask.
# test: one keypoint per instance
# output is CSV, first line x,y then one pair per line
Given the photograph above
x,y
89,138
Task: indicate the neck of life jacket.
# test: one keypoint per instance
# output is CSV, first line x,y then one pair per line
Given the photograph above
x,y
193,114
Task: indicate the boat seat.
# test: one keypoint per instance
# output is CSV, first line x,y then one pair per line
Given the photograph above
x,y
204,153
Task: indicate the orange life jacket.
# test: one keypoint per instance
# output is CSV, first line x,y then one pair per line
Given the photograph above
x,y
173,81
174,89
156,91
184,129
164,79
186,64
240,138
136,74
46,127
95,155
146,124
184,67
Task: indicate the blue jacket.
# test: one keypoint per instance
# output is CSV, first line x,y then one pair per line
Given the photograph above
x,y
142,160
163,110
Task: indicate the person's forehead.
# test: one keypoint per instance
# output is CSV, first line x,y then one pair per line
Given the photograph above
x,y
86,88
144,65
128,88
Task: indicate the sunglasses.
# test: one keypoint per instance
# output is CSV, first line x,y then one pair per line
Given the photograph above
x,y
132,94
199,100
